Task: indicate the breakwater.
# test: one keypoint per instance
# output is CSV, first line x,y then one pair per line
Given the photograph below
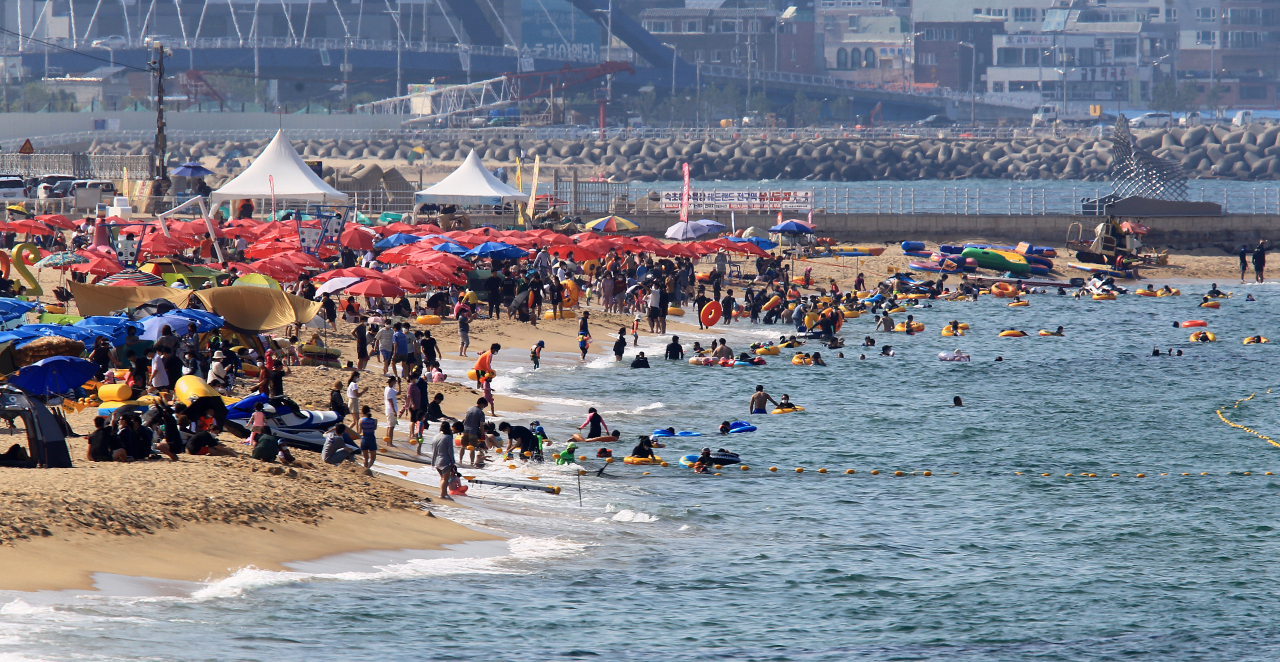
x,y
1225,152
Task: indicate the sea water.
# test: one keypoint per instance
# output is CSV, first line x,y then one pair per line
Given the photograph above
x,y
986,559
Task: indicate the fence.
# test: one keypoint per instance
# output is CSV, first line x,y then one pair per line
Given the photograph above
x,y
81,166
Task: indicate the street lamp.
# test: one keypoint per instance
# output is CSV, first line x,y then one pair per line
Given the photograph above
x,y
973,75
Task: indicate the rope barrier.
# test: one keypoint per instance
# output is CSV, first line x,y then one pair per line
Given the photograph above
x,y
1255,433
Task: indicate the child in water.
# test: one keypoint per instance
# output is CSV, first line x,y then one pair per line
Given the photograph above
x,y
785,403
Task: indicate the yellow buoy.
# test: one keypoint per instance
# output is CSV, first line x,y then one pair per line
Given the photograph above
x,y
665,464
1186,474
822,470
1067,474
1204,473
1044,474
717,473
928,473
1142,476
608,460
746,468
582,472
511,466
645,473
897,473
1093,475
799,470
850,471
773,468
582,457
1114,475
875,472
719,466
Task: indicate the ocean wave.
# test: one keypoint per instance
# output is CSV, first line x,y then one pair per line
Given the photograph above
x,y
522,549
627,515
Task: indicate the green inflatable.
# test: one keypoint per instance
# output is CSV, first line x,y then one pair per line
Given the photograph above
x,y
998,260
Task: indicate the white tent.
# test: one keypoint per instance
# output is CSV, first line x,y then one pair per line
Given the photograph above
x,y
470,184
292,179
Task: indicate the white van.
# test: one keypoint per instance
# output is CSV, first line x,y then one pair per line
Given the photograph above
x,y
12,188
1242,118
1191,119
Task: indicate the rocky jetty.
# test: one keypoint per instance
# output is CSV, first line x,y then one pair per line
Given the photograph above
x,y
1247,153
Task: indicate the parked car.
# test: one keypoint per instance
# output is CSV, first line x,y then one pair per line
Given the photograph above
x,y
1151,121
1191,119
106,186
12,188
935,121
114,42
45,186
1242,118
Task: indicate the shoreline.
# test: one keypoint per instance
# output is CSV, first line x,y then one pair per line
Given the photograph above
x,y
207,552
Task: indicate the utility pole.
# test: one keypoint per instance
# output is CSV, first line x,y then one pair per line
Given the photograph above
x,y
162,141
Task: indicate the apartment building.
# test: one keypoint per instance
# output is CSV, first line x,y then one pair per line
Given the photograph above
x,y
760,38
1231,47
955,55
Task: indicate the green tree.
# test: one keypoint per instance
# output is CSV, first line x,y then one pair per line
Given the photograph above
x,y
1213,98
38,97
1168,95
804,111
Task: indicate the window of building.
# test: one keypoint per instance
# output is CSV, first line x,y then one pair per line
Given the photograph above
x,y
1031,57
1086,57
1243,40
827,4
733,56
842,59
728,26
929,59
753,25
693,26
1171,14
928,34
1024,14
1126,47
853,23
847,3
793,55
1206,14
1244,16
1206,37
1008,57
1022,86
715,56
1253,92
948,34
828,22
869,58
997,86
658,27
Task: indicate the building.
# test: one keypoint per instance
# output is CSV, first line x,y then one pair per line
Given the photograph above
x,y
743,38
866,40
799,44
1231,51
955,55
104,88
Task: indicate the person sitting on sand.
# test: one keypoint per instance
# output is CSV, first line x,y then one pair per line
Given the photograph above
x,y
338,447
205,443
104,445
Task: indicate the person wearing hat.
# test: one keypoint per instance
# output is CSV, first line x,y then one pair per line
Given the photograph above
x,y
218,373
535,353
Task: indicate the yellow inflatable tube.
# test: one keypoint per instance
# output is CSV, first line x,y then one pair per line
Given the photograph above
x,y
1012,333
901,327
1211,304
474,376
948,333
1019,304
428,320
800,359
767,351
1104,297
1248,341
1196,337
787,411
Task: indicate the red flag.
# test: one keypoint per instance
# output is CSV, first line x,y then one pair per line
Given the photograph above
x,y
684,196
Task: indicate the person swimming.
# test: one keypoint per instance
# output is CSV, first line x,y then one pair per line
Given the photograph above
x,y
1166,290
868,341
817,359
839,355
1155,351
957,402
887,350
1249,297
1215,292
703,463
724,427
785,403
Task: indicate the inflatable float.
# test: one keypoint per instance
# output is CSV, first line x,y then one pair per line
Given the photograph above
x,y
1104,297
711,313
1191,323
738,427
1019,304
631,459
1252,340
1171,293
428,320
1202,336
1012,333
792,410
901,327
718,457
948,356
1046,332
1211,304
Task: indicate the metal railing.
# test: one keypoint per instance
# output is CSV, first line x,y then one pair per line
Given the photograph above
x,y
81,166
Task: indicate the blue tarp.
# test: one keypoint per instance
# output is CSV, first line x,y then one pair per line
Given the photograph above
x,y
12,309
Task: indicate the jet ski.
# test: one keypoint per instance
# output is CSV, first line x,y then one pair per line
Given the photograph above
x,y
299,427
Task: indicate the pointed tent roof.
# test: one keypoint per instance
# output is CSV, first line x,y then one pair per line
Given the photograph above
x,y
470,184
294,180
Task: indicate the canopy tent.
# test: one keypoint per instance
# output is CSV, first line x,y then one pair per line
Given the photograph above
x,y
469,185
94,300
292,179
257,309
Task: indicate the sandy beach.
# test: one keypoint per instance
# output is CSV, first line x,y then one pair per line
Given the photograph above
x,y
220,514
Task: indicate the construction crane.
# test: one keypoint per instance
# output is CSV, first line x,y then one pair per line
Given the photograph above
x,y
436,104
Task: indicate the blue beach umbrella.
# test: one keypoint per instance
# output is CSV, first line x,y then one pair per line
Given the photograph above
x,y
398,239
791,227
191,169
761,242
451,248
55,375
496,250
686,231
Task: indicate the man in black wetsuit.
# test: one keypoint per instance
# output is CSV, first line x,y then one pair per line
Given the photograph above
x,y
675,351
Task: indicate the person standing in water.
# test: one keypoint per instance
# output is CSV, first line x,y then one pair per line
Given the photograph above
x,y
1260,261
758,400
